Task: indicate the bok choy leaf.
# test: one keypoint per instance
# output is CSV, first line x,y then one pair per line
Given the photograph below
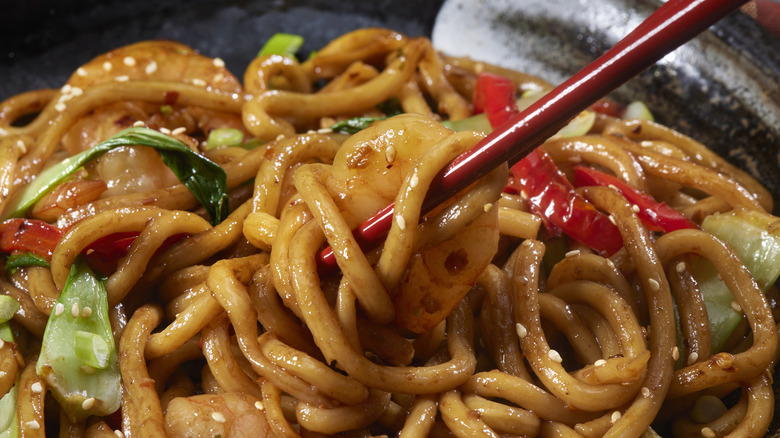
x,y
204,178
78,357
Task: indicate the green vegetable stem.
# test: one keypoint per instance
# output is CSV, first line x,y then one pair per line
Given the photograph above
x,y
78,357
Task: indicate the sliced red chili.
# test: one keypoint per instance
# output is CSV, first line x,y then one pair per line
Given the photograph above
x,y
657,216
29,235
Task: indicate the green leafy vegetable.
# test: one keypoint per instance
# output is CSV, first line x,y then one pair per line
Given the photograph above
x,y
16,261
78,323
755,237
354,125
8,308
284,44
391,107
224,137
204,178
9,427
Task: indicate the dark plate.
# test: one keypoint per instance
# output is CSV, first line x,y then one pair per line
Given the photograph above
x,y
722,88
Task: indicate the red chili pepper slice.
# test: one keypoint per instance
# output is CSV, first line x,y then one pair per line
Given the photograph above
x,y
29,235
657,216
608,107
551,196
495,96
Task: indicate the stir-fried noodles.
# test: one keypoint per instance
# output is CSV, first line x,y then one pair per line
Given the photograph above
x,y
167,282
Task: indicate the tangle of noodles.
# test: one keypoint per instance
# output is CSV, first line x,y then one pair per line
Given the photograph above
x,y
231,330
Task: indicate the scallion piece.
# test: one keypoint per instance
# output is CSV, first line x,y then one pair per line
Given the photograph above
x,y
16,261
354,125
224,137
8,308
284,44
80,323
637,110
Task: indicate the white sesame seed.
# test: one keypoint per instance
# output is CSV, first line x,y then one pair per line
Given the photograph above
x,y
680,268
32,424
572,253
219,417
401,222
612,219
675,353
279,137
60,107
107,66
2,374
3,131
646,143
179,130
2,343
645,391
613,187
88,404
59,308
64,98
654,285
737,308
600,363
324,131
218,77
123,78
575,159
81,71
523,195
74,310
635,208
199,82
22,147
76,91
90,251
218,62
615,417
36,387
554,356
151,68
119,433
390,154
692,358
87,312
724,360
129,61
139,123
65,89
259,405
86,369
487,207
521,330
165,131
706,432
414,180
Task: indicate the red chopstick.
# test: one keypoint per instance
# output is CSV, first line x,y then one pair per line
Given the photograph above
x,y
674,23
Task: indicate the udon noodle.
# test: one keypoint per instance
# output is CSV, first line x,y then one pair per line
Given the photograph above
x,y
470,320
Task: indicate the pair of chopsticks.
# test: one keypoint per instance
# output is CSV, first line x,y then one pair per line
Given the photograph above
x,y
674,23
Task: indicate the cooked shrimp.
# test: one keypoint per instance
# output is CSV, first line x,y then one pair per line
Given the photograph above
x,y
229,415
368,173
370,167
